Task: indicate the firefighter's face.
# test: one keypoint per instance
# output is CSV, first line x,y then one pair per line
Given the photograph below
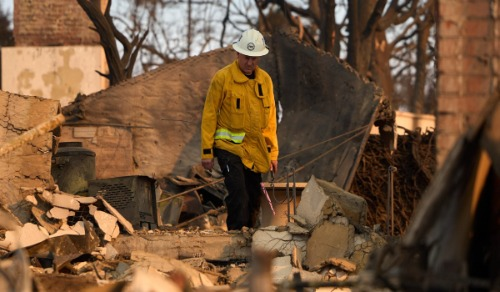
x,y
247,64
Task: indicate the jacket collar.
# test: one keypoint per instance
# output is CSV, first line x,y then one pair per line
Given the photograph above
x,y
239,77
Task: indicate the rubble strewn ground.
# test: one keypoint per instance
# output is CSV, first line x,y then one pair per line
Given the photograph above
x,y
68,235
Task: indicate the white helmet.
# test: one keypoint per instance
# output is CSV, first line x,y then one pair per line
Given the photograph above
x,y
251,43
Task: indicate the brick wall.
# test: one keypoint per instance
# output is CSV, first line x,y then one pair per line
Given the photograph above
x,y
51,23
468,65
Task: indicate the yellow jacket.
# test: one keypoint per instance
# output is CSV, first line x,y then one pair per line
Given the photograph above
x,y
238,107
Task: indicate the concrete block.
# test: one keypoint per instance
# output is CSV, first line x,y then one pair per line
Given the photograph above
x,y
311,203
299,220
281,268
283,242
355,207
329,240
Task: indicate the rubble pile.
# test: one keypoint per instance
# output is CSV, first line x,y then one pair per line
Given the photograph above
x,y
414,161
71,242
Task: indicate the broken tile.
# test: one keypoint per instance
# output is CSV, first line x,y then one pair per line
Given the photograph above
x,y
62,232
40,213
92,209
105,221
31,199
65,248
86,200
31,234
79,227
59,213
124,222
65,201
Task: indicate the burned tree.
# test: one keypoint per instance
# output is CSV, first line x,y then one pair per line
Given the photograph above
x,y
382,40
120,67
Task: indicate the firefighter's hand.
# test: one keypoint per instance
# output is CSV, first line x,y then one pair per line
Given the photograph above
x,y
208,164
274,166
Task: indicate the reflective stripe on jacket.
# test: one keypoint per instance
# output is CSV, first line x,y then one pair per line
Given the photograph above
x,y
237,104
225,134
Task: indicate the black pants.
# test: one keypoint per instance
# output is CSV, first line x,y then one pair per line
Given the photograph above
x,y
244,191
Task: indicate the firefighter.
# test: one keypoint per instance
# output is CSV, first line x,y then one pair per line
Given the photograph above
x,y
238,127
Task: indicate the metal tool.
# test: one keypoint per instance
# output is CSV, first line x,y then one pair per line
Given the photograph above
x,y
267,197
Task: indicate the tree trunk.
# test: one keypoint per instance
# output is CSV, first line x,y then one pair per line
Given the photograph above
x,y
360,45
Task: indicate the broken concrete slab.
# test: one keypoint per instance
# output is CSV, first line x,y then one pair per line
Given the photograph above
x,y
364,245
355,207
211,246
65,201
79,227
311,203
63,249
281,268
280,241
329,240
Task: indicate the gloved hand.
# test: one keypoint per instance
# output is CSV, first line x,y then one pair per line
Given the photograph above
x,y
274,166
208,164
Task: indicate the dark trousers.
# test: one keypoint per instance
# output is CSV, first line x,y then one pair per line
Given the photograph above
x,y
244,191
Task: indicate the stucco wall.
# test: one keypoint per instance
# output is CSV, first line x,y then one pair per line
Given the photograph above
x,y
58,73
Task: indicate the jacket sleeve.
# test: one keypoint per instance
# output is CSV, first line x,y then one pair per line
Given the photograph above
x,y
270,132
209,117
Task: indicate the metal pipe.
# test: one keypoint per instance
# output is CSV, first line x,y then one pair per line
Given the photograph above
x,y
287,196
390,201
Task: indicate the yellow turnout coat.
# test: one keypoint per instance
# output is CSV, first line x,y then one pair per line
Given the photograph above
x,y
239,116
